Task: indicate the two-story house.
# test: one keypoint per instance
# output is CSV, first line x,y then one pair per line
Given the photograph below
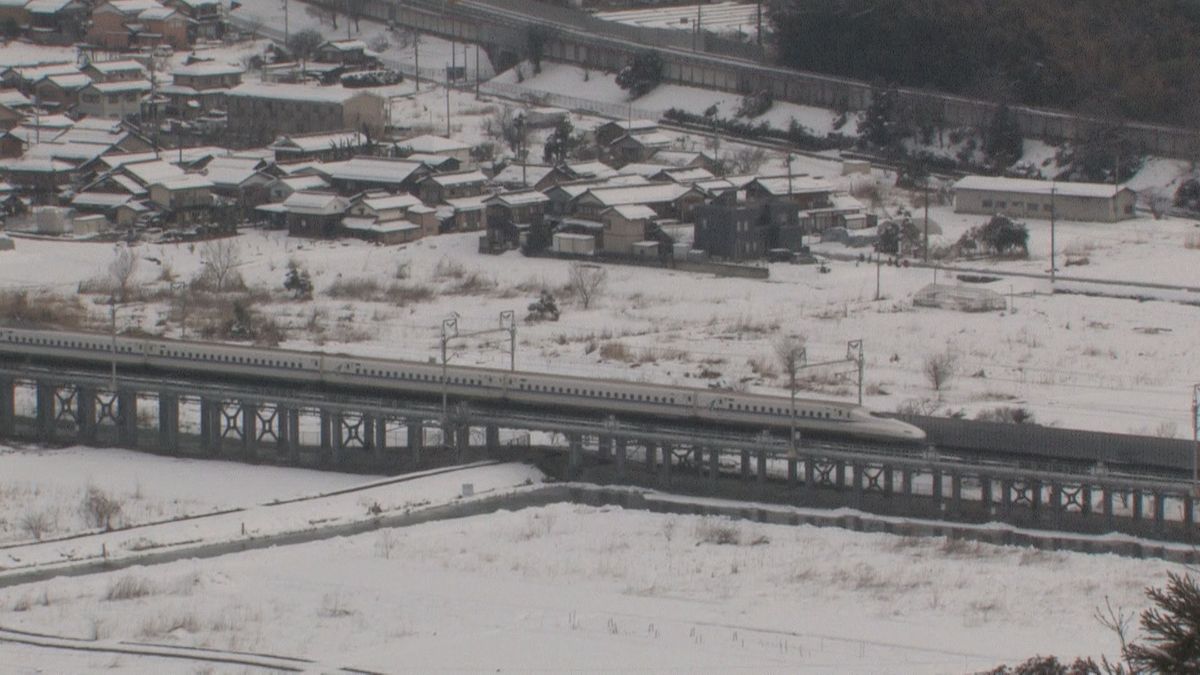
x,y
442,187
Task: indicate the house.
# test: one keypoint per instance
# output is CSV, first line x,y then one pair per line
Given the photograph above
x,y
511,214
362,174
122,24
629,148
436,163
314,214
682,159
562,196
537,176
205,19
385,218
683,176
463,214
1025,198
56,22
805,192
594,170
283,187
730,232
14,11
106,204
441,187
60,91
41,179
624,226
610,131
324,146
347,53
437,145
124,70
264,111
668,200
198,88
244,181
186,200
118,99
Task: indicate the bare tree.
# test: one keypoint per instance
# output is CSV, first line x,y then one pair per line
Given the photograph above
x,y
122,270
939,369
1160,203
587,282
792,356
745,160
508,125
220,260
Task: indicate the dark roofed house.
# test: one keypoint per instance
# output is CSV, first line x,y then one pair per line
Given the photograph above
x,y
322,145
314,214
441,187
610,131
361,174
511,214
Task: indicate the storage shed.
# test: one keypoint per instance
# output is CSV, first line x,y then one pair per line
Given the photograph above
x,y
1026,198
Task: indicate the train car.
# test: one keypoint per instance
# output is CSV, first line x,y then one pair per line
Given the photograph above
x,y
536,390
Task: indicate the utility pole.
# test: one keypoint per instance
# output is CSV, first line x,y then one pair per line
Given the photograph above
x,y
287,36
790,157
696,32
759,13
447,105
878,273
416,62
1052,215
926,218
112,314
508,321
476,69
1196,440
449,330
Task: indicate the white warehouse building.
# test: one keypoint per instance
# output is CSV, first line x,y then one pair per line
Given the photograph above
x,y
1026,198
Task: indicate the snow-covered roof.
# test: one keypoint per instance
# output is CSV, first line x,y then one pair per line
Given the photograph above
x,y
360,224
715,186
433,145
119,66
845,202
319,141
573,190
231,170
649,139
305,183
121,87
633,211
643,169
345,45
152,171
520,198
688,175
14,99
457,178
188,181
98,124
370,169
155,13
35,73
634,125
208,68
69,81
594,169
77,153
298,92
35,165
1038,187
47,6
517,174
315,203
102,200
678,158
385,202
654,193
133,7
796,185
467,203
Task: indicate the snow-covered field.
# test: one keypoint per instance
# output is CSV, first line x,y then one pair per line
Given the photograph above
x,y
1075,361
565,588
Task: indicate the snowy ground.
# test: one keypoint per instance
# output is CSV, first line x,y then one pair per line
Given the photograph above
x,y
571,80
1075,361
568,587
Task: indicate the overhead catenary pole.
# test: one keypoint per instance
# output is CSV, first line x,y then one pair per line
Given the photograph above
x,y
1052,218
926,218
1196,440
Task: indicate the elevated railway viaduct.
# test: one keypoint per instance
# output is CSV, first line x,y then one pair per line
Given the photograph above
x,y
954,480
504,28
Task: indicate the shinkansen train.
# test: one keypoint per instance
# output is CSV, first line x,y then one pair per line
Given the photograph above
x,y
536,390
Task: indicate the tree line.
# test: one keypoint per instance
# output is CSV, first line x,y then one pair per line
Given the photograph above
x,y
1102,57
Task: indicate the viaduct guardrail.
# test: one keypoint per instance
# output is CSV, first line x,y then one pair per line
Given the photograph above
x,y
337,430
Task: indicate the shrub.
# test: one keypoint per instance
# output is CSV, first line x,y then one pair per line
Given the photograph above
x,y
99,509
298,281
1006,415
616,351
37,524
939,369
358,288
718,531
756,104
129,588
642,74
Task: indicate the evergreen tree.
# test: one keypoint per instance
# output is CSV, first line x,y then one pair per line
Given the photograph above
x,y
1002,141
1172,627
643,73
880,127
561,144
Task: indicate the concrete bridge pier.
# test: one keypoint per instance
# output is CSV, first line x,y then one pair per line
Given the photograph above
x,y
664,474
492,435
415,430
575,454
127,416
85,414
210,426
168,420
619,446
326,438
604,451
714,465
379,442
287,433
462,442
250,432
45,411
7,407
